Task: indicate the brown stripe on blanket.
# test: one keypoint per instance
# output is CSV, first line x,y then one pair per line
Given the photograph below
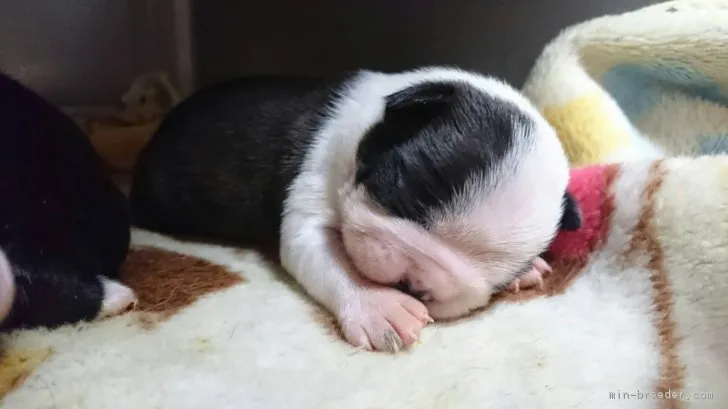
x,y
166,282
645,238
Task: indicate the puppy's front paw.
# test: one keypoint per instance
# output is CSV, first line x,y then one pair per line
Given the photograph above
x,y
383,319
118,298
532,278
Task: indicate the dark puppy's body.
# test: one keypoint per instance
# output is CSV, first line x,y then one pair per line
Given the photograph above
x,y
62,222
221,162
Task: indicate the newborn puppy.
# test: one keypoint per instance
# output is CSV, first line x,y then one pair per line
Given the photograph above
x,y
440,182
64,227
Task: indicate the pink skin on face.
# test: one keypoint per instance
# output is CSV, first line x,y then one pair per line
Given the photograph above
x,y
392,251
389,251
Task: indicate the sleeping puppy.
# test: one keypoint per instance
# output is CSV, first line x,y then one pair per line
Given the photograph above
x,y
393,198
64,226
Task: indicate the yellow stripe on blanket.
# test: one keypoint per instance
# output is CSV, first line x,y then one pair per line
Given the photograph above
x,y
588,133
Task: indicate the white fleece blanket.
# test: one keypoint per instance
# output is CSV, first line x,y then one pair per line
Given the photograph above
x,y
644,312
637,320
646,83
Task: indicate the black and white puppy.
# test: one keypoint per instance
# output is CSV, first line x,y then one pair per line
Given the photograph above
x,y
444,182
64,226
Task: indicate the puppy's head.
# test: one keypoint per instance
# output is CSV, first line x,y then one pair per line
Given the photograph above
x,y
457,189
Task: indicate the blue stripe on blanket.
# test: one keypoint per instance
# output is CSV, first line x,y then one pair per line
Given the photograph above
x,y
713,144
638,88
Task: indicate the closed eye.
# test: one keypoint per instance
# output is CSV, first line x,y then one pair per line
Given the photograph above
x,y
406,287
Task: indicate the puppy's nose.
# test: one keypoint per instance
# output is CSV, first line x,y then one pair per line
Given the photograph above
x,y
406,287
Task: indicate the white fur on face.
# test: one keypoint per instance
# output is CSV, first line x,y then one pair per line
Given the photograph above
x,y
333,238
501,222
501,230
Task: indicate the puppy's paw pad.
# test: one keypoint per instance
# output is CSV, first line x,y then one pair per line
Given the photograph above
x,y
118,298
383,319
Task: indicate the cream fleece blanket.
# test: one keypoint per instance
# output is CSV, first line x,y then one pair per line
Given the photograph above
x,y
646,83
637,317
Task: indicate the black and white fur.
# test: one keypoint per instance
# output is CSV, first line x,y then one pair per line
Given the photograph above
x,y
445,181
64,226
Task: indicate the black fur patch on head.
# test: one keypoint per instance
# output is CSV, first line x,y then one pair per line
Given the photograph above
x,y
434,137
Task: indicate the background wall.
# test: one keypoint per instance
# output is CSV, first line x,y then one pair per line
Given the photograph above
x,y
503,37
86,52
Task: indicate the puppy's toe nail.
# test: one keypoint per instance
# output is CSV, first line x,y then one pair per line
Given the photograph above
x,y
392,341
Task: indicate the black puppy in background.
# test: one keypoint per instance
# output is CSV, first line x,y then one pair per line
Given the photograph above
x,y
64,226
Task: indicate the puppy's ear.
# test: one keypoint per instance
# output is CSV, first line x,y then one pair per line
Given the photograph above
x,y
406,113
571,218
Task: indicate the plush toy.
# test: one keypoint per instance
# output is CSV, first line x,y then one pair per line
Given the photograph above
x,y
588,185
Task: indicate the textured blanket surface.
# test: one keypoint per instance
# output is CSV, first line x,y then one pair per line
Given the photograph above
x,y
635,310
635,314
647,83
